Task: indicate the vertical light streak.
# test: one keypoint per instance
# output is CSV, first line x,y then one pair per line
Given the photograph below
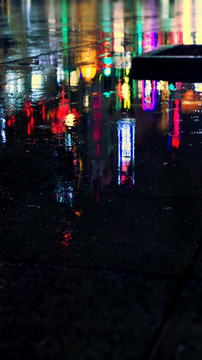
x,y
165,9
149,95
126,151
139,27
64,18
118,27
198,21
186,22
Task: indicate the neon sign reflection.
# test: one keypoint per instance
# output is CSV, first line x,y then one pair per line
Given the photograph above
x,y
126,151
149,95
176,125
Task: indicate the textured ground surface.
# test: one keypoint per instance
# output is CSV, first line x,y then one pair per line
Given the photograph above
x,y
89,269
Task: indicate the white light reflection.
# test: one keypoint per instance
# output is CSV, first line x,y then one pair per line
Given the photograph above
x,y
123,61
14,87
74,77
198,22
2,129
126,151
118,27
198,87
86,101
165,9
51,16
28,8
60,74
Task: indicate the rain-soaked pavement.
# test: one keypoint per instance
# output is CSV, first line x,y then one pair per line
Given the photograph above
x,y
100,183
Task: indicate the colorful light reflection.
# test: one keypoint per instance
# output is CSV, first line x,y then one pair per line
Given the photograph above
x,y
149,95
126,151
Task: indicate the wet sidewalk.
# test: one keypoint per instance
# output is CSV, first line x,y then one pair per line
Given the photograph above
x,y
100,185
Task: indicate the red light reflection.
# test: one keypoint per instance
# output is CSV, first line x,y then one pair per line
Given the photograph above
x,y
176,124
67,238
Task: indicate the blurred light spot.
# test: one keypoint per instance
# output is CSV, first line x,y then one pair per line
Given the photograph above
x,y
107,71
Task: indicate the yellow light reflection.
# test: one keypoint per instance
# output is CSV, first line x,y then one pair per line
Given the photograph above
x,y
74,77
69,120
126,93
191,101
165,96
89,60
186,22
88,72
37,80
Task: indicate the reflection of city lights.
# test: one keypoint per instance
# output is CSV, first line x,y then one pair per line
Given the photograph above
x,y
74,77
165,106
97,115
149,41
64,193
89,57
88,72
139,26
51,17
171,87
176,125
123,61
126,93
191,101
78,213
118,26
36,85
108,60
106,23
186,22
165,9
126,151
149,95
86,101
68,141
36,80
198,22
64,18
198,87
60,74
67,238
107,71
2,128
19,85
140,84
14,83
70,120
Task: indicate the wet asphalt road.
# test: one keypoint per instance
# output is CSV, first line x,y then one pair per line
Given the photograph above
x,y
100,184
